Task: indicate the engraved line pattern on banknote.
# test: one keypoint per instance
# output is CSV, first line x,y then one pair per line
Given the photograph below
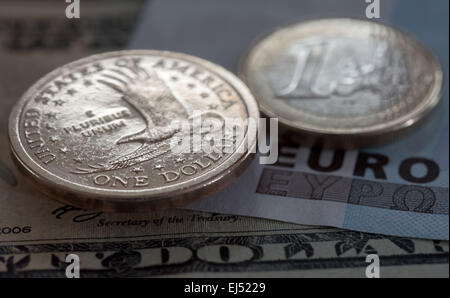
x,y
97,29
402,197
276,252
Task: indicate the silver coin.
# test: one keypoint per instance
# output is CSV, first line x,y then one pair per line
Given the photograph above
x,y
99,133
343,83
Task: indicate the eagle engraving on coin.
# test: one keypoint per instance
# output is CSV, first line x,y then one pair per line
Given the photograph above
x,y
105,129
158,106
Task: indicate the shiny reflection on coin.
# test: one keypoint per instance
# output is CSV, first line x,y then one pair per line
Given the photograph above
x,y
98,133
342,83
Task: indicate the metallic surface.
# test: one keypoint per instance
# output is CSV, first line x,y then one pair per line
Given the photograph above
x,y
342,83
96,133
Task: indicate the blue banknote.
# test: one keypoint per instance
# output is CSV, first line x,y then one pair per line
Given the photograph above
x,y
399,189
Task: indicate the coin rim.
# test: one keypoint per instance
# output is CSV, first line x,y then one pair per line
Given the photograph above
x,y
205,180
356,137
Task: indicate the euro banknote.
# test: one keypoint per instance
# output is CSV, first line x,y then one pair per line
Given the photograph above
x,y
399,189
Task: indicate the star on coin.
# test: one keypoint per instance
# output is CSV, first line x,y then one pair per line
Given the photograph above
x,y
51,115
158,167
138,170
71,92
179,160
44,101
58,102
54,139
213,106
78,160
49,127
64,150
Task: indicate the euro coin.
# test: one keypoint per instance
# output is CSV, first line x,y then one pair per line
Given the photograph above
x,y
134,131
342,83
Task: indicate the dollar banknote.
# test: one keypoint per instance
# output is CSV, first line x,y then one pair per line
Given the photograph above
x,y
37,234
194,244
399,189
